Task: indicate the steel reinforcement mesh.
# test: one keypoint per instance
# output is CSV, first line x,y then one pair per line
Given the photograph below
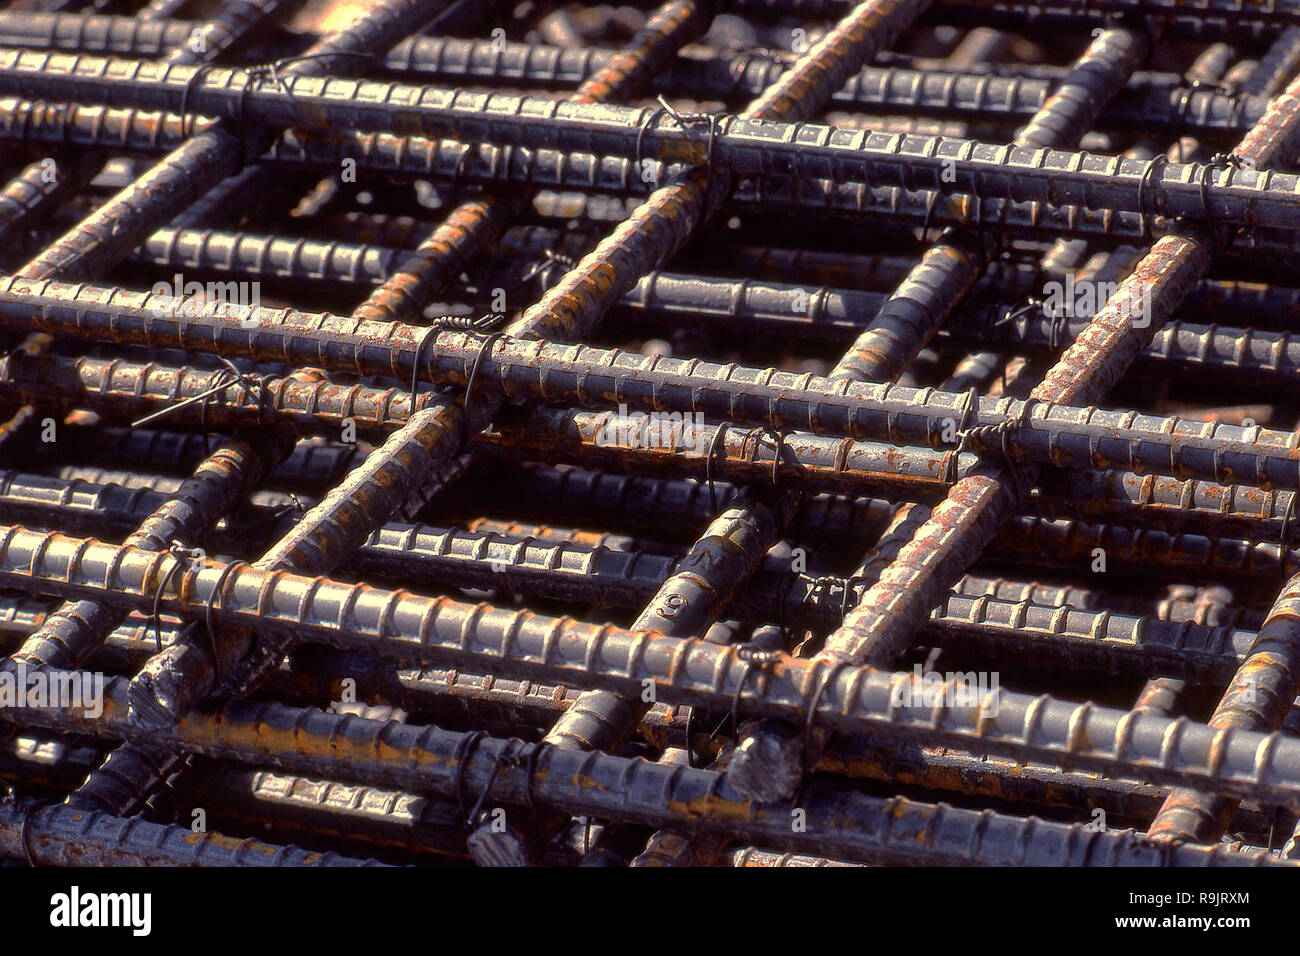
x,y
738,433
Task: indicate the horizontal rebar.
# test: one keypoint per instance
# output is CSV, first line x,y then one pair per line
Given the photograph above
x,y
1063,435
62,836
439,630
1227,194
841,822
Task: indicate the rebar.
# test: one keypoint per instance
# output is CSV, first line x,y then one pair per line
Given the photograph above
x,y
504,493
770,760
1230,194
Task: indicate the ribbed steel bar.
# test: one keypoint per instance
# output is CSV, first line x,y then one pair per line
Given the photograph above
x,y
770,760
143,36
849,699
1156,101
1258,697
743,145
949,269
831,284
1152,101
1243,355
186,174
29,195
271,258
842,823
184,395
1277,66
1063,434
348,813
180,675
489,702
159,452
57,125
828,465
982,617
62,836
1211,20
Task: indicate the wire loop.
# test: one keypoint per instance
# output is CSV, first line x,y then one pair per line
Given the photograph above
x,y
1153,165
688,123
178,552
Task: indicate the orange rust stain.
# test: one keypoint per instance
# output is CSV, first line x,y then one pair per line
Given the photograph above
x,y
712,808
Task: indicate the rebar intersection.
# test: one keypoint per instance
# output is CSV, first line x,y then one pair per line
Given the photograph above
x,y
726,433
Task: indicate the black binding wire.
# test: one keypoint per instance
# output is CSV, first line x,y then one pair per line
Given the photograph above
x,y
810,724
187,121
1219,161
464,749
11,799
708,464
969,405
690,741
224,379
826,583
687,123
849,584
484,349
427,336
1287,514
459,169
545,266
505,757
1059,323
779,440
1185,99
208,619
784,597
1007,323
930,206
752,656
271,71
180,554
1153,165
1005,430
449,323
530,773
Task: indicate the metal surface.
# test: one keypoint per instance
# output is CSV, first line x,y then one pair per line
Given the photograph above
x,y
593,441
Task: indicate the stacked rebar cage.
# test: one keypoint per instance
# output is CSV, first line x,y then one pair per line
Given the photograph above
x,y
742,433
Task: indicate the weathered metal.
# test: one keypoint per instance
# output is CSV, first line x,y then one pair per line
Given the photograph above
x,y
749,144
843,822
501,604
770,761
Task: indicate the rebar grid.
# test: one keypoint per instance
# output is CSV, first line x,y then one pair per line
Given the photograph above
x,y
420,445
